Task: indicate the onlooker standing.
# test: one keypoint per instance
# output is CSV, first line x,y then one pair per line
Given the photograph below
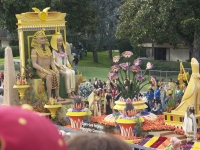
x,y
150,96
162,98
157,94
75,62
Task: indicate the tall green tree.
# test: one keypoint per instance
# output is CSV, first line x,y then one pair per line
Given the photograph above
x,y
80,13
161,21
107,14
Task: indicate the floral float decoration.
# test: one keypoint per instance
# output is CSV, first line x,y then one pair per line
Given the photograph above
x,y
85,89
129,80
127,120
21,86
77,112
52,106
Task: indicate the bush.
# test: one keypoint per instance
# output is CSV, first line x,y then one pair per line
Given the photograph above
x,y
15,51
125,45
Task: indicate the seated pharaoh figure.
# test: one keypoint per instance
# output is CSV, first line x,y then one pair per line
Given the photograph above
x,y
62,63
42,61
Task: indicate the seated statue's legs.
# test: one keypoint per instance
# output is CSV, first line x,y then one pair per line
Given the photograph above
x,y
68,84
49,85
57,89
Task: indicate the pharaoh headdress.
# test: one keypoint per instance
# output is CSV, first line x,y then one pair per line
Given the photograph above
x,y
42,52
55,38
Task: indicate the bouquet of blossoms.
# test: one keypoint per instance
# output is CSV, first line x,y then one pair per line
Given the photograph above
x,y
127,75
85,89
78,105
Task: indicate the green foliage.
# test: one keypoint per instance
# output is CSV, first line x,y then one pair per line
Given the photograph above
x,y
171,103
15,51
125,45
80,16
138,126
171,21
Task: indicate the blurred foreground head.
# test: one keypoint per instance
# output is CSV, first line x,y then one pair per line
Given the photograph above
x,y
23,129
96,142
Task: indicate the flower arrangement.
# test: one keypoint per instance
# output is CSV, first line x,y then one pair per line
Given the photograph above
x,y
52,101
127,76
85,89
21,80
30,72
128,112
170,105
78,105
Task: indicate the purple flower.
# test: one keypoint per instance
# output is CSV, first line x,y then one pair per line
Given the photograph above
x,y
135,68
115,76
127,54
137,62
124,66
140,78
114,68
116,59
149,66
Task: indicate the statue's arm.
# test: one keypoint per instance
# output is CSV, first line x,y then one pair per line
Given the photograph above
x,y
53,66
34,56
68,64
54,60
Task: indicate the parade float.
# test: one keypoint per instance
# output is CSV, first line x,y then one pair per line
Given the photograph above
x,y
129,113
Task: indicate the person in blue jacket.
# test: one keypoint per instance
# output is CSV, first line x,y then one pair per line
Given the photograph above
x,y
150,97
157,93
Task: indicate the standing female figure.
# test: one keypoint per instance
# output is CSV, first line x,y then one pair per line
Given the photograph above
x,y
61,61
108,103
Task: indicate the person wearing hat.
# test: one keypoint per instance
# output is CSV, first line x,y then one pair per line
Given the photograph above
x,y
23,129
150,96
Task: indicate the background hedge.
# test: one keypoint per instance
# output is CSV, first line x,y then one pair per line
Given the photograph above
x,y
15,51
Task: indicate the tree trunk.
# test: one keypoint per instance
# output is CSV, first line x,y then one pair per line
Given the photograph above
x,y
196,49
110,52
95,56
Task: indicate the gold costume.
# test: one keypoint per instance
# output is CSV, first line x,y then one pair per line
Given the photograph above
x,y
43,53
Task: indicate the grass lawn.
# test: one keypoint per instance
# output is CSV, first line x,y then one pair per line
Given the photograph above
x,y
90,69
103,60
2,60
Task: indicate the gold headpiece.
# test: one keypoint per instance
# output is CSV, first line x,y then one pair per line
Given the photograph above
x,y
54,40
34,44
40,33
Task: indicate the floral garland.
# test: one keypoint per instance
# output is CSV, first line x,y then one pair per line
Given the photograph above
x,y
61,54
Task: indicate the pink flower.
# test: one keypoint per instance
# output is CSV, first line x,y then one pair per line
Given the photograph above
x,y
116,59
110,74
114,68
128,100
124,66
153,80
135,68
127,54
149,65
113,76
137,62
